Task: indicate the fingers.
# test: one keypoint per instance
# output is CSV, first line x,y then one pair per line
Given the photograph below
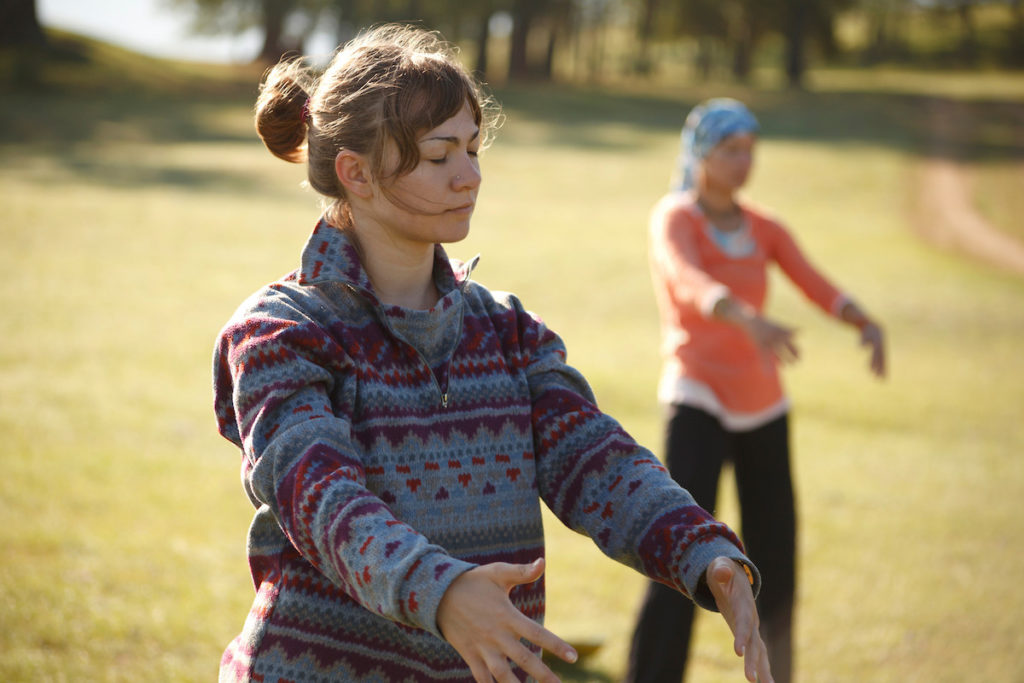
x,y
518,574
735,600
546,640
871,336
790,353
777,340
481,623
755,663
878,362
530,663
508,646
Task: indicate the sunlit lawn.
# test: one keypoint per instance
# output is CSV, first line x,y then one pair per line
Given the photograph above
x,y
132,226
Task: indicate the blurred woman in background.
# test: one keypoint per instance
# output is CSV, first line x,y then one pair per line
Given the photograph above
x,y
710,253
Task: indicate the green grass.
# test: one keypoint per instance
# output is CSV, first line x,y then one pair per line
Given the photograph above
x,y
133,223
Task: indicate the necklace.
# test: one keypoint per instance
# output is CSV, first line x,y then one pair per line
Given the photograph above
x,y
727,220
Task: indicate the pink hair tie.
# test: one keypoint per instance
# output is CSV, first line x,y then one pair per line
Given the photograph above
x,y
305,111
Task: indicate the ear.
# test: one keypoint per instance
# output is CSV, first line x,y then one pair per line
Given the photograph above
x,y
353,172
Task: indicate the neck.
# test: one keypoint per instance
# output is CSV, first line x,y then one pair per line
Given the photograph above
x,y
717,202
402,273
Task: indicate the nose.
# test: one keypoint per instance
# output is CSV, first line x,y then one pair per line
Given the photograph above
x,y
468,176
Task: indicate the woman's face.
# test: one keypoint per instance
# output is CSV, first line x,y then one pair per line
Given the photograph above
x,y
727,167
434,202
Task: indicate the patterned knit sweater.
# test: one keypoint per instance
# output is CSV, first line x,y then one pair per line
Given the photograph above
x,y
386,451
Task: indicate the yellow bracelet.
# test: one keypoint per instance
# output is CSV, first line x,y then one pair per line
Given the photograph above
x,y
750,574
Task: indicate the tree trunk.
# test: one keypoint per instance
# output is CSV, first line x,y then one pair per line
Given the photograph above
x,y
414,10
825,32
704,59
795,30
1017,33
19,24
274,14
549,57
968,38
347,20
483,39
743,51
645,30
518,59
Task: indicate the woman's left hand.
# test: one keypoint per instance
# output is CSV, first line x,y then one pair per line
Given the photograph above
x,y
735,599
871,335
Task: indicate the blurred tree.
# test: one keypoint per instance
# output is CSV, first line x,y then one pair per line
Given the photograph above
x,y
589,22
747,22
19,24
645,33
707,21
968,36
23,39
802,23
739,26
539,28
523,14
1015,54
885,20
560,26
453,18
484,11
272,16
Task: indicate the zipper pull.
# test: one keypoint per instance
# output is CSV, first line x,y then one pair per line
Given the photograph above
x,y
444,400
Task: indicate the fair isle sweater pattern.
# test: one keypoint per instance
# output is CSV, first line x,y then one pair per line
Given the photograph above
x,y
378,479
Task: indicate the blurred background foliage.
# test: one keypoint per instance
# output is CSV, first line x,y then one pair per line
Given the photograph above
x,y
593,40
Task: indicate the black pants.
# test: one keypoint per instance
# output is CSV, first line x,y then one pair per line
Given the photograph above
x,y
696,446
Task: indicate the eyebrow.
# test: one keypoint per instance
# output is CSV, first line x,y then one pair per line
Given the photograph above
x,y
452,138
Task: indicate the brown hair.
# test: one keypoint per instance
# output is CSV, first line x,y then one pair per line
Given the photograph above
x,y
389,83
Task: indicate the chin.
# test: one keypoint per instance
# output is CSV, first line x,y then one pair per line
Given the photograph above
x,y
455,233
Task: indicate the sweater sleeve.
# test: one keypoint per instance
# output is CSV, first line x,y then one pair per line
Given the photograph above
x,y
801,271
599,482
284,390
676,260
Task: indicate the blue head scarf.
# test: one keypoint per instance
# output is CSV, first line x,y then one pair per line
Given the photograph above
x,y
708,124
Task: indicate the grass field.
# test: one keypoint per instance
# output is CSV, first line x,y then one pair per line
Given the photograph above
x,y
134,219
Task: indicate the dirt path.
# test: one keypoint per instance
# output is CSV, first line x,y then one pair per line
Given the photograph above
x,y
944,210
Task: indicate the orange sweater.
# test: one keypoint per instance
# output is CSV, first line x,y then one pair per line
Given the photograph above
x,y
710,363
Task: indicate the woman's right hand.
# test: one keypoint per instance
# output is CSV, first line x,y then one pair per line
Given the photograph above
x,y
774,340
477,618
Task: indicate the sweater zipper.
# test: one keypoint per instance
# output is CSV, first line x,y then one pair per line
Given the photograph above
x,y
437,385
443,393
451,358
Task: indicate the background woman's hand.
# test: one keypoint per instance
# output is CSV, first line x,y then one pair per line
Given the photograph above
x,y
735,599
772,338
477,618
871,336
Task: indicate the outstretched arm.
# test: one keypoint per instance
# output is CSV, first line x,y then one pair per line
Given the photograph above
x,y
735,600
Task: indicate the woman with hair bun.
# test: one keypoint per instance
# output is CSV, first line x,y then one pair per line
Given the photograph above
x,y
400,424
710,253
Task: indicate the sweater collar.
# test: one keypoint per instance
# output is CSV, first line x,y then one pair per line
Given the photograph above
x,y
330,256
